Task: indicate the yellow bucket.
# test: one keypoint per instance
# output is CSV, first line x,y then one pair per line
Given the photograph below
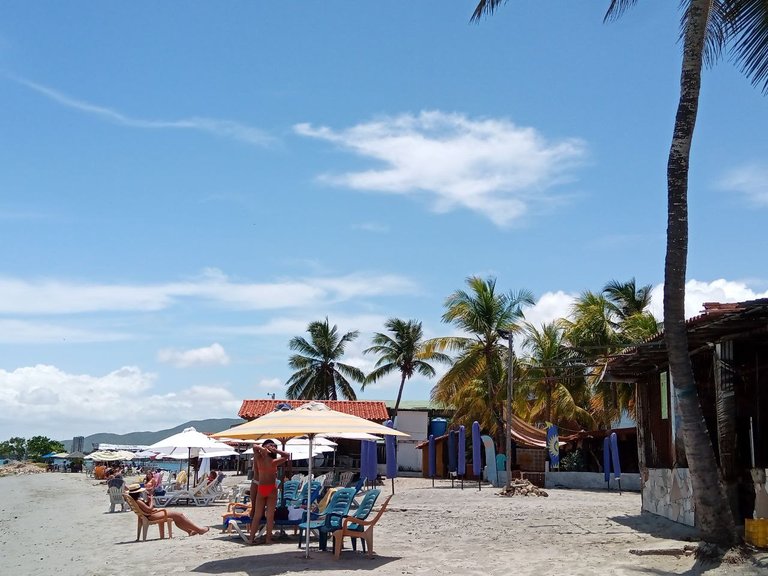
x,y
756,532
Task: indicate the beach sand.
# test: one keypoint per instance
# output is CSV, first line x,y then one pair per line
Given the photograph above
x,y
59,524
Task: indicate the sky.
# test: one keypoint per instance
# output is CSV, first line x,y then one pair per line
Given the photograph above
x,y
184,187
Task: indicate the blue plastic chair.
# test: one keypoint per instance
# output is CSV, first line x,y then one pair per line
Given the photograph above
x,y
289,491
337,509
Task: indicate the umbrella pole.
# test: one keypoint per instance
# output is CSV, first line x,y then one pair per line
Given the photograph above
x,y
309,495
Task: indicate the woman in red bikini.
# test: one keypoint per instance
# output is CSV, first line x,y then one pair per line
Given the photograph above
x,y
266,459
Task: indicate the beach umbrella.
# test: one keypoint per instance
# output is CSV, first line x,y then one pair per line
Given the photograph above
x,y
365,449
452,453
371,461
308,420
461,467
391,449
432,458
553,446
607,461
476,452
110,456
189,444
615,458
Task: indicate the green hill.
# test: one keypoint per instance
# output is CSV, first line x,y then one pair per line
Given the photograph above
x,y
147,438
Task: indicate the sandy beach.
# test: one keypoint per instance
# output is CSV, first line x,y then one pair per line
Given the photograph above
x,y
59,524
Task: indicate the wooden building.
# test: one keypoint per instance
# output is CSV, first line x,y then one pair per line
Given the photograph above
x,y
728,347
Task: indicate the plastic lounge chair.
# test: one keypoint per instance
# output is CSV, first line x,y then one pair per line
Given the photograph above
x,y
345,479
358,487
209,493
332,516
288,491
143,521
116,498
362,513
362,529
170,498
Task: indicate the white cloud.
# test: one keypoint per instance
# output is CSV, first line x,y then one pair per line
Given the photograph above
x,y
51,296
44,400
28,332
750,180
549,307
206,356
698,292
222,128
489,166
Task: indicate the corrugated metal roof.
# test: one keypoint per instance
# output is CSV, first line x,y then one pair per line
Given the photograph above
x,y
369,409
718,321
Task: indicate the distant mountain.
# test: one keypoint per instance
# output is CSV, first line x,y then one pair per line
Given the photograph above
x,y
147,438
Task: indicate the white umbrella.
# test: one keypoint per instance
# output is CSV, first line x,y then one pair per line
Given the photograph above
x,y
298,448
309,420
189,444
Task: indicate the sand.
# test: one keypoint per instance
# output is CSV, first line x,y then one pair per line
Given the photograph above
x,y
59,524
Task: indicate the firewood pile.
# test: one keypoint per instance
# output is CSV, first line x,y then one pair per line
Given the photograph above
x,y
522,488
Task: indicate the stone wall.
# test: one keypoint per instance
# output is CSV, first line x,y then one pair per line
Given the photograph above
x,y
668,493
591,481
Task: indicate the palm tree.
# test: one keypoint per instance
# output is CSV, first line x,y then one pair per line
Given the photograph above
x,y
552,378
403,351
627,299
319,374
709,27
480,313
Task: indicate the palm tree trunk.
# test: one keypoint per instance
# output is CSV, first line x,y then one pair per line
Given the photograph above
x,y
713,515
399,395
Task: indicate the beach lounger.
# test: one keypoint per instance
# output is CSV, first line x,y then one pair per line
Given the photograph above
x,y
358,528
170,498
345,479
143,522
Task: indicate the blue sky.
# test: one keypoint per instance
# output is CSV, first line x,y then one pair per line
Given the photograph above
x,y
184,187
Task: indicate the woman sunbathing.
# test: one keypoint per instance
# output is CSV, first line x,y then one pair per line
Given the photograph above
x,y
237,511
135,491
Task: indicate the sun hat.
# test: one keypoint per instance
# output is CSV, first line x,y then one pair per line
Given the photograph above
x,y
134,488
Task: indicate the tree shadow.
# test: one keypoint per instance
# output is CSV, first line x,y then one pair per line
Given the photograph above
x,y
657,526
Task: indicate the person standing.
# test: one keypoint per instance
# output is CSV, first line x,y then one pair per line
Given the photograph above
x,y
266,460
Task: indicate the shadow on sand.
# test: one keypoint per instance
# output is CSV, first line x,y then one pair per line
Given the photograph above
x,y
292,561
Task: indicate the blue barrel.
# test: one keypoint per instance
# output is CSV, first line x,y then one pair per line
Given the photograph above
x,y
438,426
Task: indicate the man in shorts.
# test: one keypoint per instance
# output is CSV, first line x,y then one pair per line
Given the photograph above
x,y
266,460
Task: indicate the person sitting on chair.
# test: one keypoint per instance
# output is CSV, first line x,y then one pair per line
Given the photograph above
x,y
135,491
266,459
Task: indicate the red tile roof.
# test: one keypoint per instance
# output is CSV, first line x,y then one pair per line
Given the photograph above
x,y
370,410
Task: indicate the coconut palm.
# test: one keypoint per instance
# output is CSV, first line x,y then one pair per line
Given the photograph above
x,y
599,326
479,313
709,27
552,378
627,299
319,373
402,351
